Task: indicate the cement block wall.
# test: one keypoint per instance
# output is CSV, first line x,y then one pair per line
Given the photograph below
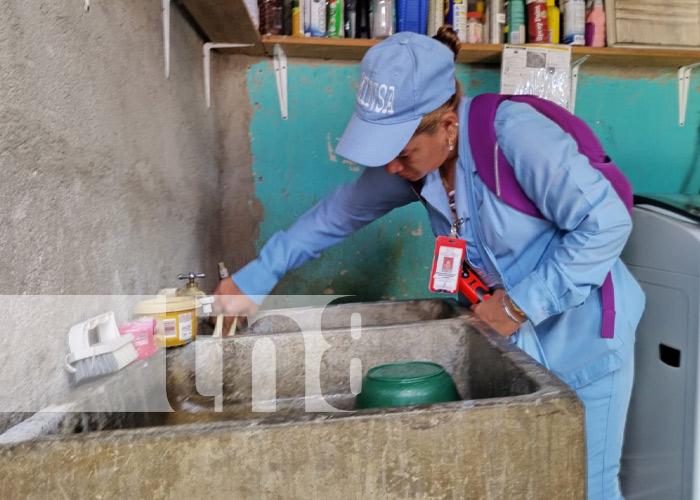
x,y
110,174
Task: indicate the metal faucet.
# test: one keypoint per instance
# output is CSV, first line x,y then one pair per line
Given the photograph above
x,y
191,288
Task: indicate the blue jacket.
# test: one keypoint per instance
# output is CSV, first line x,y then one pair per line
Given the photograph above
x,y
552,268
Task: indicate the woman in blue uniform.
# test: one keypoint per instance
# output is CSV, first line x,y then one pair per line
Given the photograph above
x,y
410,128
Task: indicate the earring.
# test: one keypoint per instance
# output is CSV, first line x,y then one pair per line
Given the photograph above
x,y
450,145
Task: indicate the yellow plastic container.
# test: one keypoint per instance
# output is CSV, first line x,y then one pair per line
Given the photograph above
x,y
176,319
553,21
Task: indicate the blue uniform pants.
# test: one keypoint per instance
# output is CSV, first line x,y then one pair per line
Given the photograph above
x,y
606,401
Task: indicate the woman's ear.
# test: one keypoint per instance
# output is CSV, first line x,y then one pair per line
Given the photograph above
x,y
449,122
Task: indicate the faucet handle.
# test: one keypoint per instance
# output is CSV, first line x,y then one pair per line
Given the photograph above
x,y
190,276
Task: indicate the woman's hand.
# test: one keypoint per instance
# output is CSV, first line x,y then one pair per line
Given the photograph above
x,y
491,312
232,302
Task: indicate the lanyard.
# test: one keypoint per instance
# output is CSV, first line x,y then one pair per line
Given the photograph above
x,y
456,221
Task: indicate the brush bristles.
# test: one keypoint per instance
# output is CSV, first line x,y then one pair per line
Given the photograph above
x,y
105,363
95,367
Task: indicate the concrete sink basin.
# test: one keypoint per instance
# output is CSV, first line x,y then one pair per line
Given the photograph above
x,y
271,416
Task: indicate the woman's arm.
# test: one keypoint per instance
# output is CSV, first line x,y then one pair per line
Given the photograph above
x,y
330,221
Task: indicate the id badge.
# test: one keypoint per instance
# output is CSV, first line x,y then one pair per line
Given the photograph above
x,y
447,264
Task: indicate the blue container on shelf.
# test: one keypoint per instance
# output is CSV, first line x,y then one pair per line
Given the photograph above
x,y
412,15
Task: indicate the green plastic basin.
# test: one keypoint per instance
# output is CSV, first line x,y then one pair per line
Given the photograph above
x,y
408,383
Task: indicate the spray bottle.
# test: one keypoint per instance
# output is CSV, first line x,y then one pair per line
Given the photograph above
x,y
595,25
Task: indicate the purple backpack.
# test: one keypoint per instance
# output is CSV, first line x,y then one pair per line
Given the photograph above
x,y
482,140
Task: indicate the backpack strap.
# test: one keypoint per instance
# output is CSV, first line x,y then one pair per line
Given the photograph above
x,y
492,167
588,144
498,175
607,297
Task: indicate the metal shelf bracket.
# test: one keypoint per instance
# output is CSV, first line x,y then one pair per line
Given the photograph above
x,y
574,82
166,36
206,50
683,87
280,63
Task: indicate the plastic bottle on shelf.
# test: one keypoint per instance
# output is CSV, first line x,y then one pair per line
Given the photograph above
x,y
383,18
297,19
286,17
481,9
574,22
436,17
362,21
457,17
595,25
350,18
475,28
516,21
336,25
553,21
271,19
498,21
413,15
537,31
316,23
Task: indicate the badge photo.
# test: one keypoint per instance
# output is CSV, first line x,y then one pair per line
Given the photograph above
x,y
447,264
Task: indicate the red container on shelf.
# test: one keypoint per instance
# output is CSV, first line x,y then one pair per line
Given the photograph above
x,y
537,31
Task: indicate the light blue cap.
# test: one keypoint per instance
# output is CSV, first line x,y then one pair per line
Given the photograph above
x,y
404,78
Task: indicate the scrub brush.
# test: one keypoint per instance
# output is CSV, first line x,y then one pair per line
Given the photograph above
x,y
218,329
109,353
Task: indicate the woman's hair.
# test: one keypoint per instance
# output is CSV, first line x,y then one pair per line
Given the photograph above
x,y
429,123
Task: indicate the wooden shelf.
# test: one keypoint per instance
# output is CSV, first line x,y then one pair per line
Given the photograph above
x,y
224,22
637,56
229,22
354,49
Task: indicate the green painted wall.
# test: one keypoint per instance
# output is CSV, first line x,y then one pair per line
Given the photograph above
x,y
636,119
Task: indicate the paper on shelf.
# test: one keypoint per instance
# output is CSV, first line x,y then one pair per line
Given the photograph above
x,y
542,70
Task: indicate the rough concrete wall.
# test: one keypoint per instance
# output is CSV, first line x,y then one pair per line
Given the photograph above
x,y
241,211
105,162
109,172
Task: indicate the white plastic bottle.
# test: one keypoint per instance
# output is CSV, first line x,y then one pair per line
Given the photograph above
x,y
223,272
475,28
574,22
383,21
